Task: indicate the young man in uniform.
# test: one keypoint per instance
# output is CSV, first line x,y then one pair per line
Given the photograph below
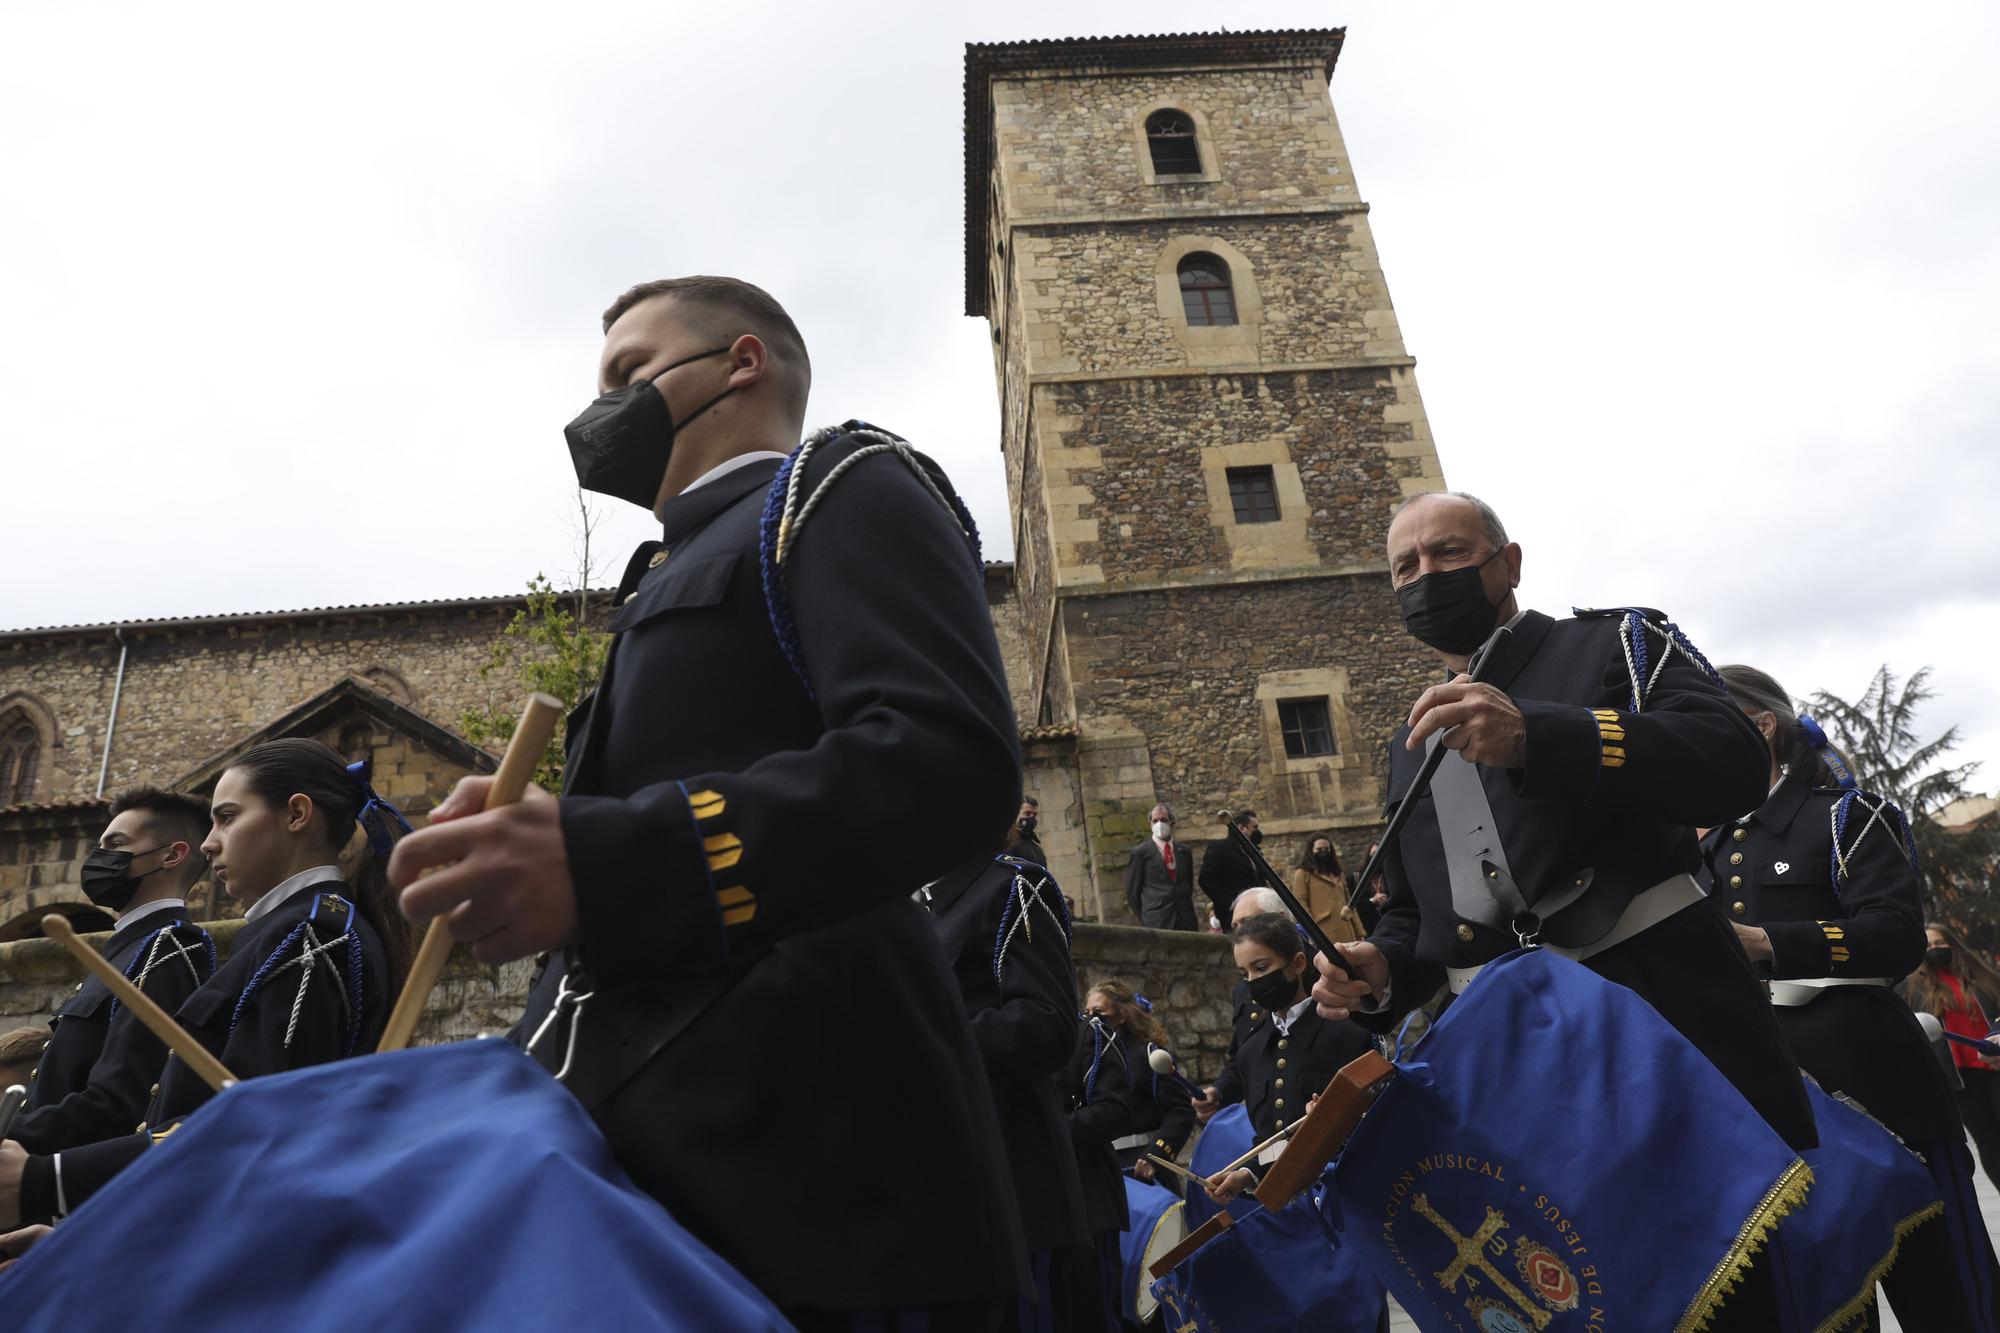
x,y
803,719
1592,748
102,1063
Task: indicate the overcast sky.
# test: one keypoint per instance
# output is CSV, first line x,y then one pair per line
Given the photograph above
x,y
294,301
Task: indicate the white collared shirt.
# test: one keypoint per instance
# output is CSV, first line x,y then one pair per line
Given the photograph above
x,y
286,888
157,905
729,465
1283,1022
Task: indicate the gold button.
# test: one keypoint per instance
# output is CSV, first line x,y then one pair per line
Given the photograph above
x,y
155,1092
1737,907
1283,1042
1465,932
1281,1103
1736,881
1740,834
1492,874
1253,1015
1281,1083
1736,858
140,1128
1281,1062
658,558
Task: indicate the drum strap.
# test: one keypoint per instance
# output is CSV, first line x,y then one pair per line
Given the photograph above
x,y
1483,890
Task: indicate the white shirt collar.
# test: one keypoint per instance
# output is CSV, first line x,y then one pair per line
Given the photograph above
x,y
1284,1021
286,888
157,905
729,465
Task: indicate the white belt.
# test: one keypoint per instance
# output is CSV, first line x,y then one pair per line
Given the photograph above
x,y
1647,909
1132,1141
1806,990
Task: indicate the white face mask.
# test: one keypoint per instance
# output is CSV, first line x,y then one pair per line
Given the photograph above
x,y
1161,828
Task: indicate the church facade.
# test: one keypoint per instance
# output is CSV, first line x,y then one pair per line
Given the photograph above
x,y
1208,414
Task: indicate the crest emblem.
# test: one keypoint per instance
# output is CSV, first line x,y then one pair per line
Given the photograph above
x,y
1493,1317
1782,867
1546,1275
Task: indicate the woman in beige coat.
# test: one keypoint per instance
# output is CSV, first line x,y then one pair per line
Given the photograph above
x,y
1323,887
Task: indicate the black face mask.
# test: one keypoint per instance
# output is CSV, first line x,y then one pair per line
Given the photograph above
x,y
1324,860
1275,990
620,444
108,880
1938,957
1448,610
1027,826
1256,837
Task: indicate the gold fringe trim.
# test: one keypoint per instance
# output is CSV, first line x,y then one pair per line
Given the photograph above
x,y
1781,1199
1846,1313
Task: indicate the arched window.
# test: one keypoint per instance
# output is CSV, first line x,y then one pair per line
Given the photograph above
x,y
1205,291
1170,137
20,758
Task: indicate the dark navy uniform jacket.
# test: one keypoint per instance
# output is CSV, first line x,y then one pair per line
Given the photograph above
x,y
251,1016
1856,915
1244,1014
1006,929
97,1074
1159,1107
1619,772
1279,1072
744,852
1098,1090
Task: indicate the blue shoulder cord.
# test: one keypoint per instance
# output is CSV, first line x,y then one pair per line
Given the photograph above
x,y
1634,635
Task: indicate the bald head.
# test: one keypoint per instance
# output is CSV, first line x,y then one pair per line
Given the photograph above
x,y
1441,531
1259,901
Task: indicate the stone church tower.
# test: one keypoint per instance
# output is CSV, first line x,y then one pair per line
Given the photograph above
x,y
1208,414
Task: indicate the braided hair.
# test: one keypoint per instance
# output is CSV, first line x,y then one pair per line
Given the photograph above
x,y
278,770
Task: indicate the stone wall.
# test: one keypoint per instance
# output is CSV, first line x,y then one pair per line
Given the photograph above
x,y
41,852
1188,977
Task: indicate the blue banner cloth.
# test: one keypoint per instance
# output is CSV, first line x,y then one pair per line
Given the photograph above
x,y
449,1187
1560,1159
1272,1272
1869,1192
1226,1137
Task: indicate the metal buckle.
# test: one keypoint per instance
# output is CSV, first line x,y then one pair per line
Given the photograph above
x,y
573,1000
1527,929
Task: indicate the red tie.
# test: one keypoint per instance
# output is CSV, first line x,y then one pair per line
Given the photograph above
x,y
1168,852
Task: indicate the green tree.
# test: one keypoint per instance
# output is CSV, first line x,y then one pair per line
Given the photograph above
x,y
1878,734
548,646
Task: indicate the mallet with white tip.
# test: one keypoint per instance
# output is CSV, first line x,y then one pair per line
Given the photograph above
x,y
1163,1063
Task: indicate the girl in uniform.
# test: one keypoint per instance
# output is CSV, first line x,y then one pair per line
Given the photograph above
x,y
1821,883
313,970
1162,1115
1287,1053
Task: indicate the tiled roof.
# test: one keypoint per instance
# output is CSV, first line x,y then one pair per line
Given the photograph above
x,y
983,60
1057,731
256,617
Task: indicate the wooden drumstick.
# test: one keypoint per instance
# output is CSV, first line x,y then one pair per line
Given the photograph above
x,y
1178,1170
517,766
1251,1156
182,1043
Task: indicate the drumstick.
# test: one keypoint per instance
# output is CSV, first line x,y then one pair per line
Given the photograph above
x,y
1251,1156
524,751
192,1053
1178,1170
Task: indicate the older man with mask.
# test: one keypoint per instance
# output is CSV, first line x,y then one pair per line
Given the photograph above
x,y
1593,747
1159,877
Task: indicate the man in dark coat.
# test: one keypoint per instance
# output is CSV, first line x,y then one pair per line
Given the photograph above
x,y
803,719
1226,869
94,1080
1159,877
1583,761
1005,927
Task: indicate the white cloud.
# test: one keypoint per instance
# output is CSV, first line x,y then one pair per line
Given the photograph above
x,y
293,304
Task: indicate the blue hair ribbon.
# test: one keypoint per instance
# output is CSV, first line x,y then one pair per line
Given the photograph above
x,y
375,814
1142,1002
1816,737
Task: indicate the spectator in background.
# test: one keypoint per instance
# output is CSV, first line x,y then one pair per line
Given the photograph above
x,y
1162,1117
1226,869
19,1050
1321,884
1024,842
1939,989
1159,879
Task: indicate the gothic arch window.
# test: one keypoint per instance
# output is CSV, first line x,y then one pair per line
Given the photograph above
x,y
387,681
20,757
1170,138
1207,296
